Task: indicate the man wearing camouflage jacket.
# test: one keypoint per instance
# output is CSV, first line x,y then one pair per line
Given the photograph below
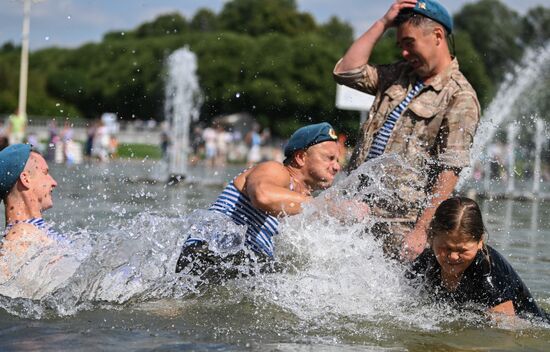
x,y
424,111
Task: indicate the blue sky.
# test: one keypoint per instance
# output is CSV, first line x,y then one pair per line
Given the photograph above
x,y
70,23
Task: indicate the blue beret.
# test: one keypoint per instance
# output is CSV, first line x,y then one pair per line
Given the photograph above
x,y
309,135
435,11
12,163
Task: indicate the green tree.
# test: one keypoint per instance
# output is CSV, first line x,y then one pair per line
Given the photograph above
x,y
337,30
204,21
472,66
536,26
171,23
267,16
495,31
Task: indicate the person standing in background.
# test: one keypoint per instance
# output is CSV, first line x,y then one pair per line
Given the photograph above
x,y
17,125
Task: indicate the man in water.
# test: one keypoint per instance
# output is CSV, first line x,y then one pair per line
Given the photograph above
x,y
424,110
264,192
26,189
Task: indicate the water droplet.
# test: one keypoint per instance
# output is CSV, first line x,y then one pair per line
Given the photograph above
x,y
238,95
69,17
46,38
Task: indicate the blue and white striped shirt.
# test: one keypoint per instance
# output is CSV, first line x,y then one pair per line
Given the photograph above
x,y
382,137
238,207
41,224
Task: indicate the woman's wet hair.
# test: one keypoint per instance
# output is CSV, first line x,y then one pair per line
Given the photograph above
x,y
457,214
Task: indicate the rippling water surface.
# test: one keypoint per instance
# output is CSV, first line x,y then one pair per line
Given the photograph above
x,y
116,288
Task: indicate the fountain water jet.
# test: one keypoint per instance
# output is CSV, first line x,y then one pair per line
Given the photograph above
x,y
182,104
539,139
500,110
511,138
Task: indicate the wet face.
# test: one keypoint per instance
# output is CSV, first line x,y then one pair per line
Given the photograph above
x,y
41,182
321,164
418,48
455,252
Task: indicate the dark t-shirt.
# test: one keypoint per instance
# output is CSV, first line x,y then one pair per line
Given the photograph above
x,y
488,281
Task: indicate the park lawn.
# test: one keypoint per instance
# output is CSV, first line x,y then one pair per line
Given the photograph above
x,y
139,151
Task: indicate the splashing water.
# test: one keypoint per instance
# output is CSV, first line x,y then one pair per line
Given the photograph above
x,y
499,111
501,107
335,279
132,262
337,269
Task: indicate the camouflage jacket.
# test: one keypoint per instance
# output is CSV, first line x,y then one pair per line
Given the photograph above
x,y
435,131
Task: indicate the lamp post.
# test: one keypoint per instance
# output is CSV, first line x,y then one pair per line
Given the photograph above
x,y
24,70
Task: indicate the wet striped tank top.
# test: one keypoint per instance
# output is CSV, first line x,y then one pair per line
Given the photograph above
x,y
261,226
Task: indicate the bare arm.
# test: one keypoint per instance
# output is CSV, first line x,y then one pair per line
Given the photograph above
x,y
415,241
359,52
506,308
267,186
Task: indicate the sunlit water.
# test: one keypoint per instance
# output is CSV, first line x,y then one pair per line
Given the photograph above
x,y
117,289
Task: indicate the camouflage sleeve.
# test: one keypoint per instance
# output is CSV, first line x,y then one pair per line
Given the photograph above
x,y
370,78
364,78
458,130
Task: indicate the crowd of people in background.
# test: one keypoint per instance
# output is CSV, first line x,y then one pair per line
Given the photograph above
x,y
214,145
217,145
60,144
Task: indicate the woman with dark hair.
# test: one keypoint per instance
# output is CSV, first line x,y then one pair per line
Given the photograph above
x,y
461,268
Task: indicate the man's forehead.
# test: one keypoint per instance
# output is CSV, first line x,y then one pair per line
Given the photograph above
x,y
326,146
408,30
37,160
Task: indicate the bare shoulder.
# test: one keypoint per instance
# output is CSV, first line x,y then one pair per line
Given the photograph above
x,y
266,173
23,232
269,170
270,166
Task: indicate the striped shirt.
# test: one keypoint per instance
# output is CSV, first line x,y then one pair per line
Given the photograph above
x,y
41,224
261,227
383,135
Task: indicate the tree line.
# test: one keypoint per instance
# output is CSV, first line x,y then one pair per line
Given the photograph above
x,y
263,57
